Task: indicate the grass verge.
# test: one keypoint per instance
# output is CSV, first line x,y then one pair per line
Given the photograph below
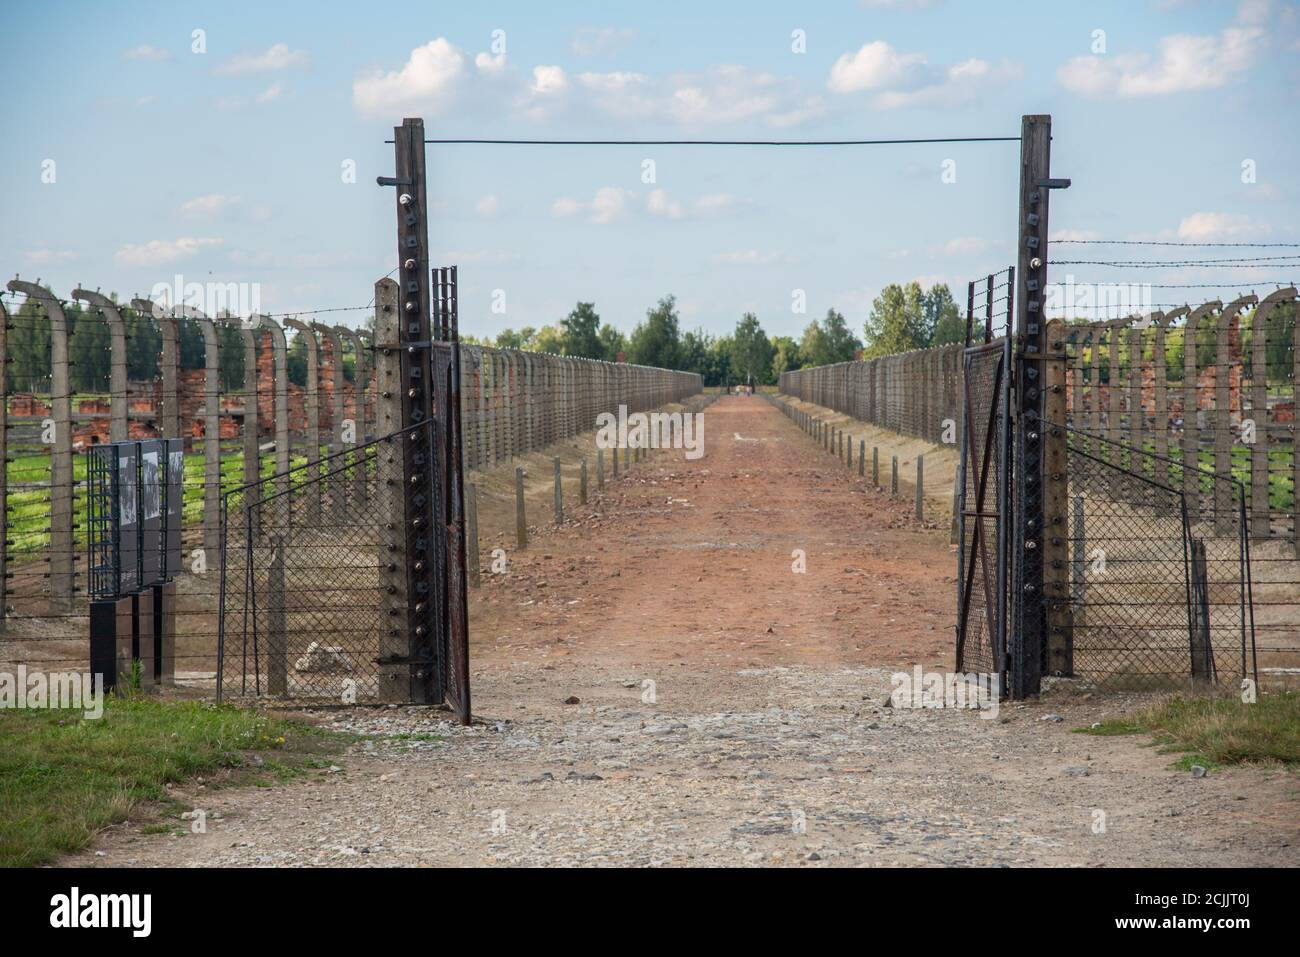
x,y
1214,732
63,777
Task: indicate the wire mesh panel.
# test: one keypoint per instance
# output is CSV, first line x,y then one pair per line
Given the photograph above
x,y
1159,599
302,591
981,599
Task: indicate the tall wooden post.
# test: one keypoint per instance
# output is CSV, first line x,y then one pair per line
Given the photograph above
x,y
1032,512
413,392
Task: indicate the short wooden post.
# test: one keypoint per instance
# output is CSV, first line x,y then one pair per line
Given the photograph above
x,y
600,469
471,532
893,477
875,465
615,454
521,524
920,485
559,494
862,458
582,482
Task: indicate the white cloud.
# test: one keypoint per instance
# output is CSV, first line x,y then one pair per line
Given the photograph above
x,y
875,66
147,52
272,59
272,92
899,80
1185,63
435,75
1206,227
487,207
719,204
49,257
608,205
549,80
1064,235
961,83
157,252
207,205
426,81
601,41
490,64
658,204
749,257
963,246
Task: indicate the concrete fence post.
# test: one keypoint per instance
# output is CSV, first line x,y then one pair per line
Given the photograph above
x,y
920,486
559,494
471,533
521,523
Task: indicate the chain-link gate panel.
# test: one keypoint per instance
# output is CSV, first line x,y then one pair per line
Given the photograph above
x,y
982,568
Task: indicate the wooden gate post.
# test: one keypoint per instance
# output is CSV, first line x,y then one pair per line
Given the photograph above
x,y
1029,607
1056,540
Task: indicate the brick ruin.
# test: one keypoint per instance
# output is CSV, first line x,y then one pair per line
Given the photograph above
x,y
144,404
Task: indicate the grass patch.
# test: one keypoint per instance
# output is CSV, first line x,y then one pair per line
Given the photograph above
x,y
1215,732
62,777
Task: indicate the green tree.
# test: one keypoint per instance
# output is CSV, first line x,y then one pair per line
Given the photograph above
x,y
838,341
657,340
812,344
943,320
897,321
581,332
612,342
751,352
785,355
549,339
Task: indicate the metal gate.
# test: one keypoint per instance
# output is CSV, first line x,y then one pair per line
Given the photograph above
x,y
985,496
453,601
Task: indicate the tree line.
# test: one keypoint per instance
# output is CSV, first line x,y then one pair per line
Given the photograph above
x,y
902,318
90,358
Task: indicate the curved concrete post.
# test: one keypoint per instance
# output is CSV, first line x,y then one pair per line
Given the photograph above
x,y
62,548
360,393
312,438
1137,418
1225,506
4,460
1260,518
1191,410
169,424
280,398
211,433
107,309
337,479
251,427
1115,387
1162,322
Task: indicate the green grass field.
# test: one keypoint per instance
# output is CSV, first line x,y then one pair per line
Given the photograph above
x,y
63,777
29,508
1214,732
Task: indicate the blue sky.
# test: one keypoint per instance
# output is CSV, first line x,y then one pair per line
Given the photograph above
x,y
227,165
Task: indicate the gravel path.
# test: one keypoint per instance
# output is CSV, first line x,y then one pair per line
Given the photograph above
x,y
726,710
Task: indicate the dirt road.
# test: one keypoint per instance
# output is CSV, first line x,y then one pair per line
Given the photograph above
x,y
724,708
